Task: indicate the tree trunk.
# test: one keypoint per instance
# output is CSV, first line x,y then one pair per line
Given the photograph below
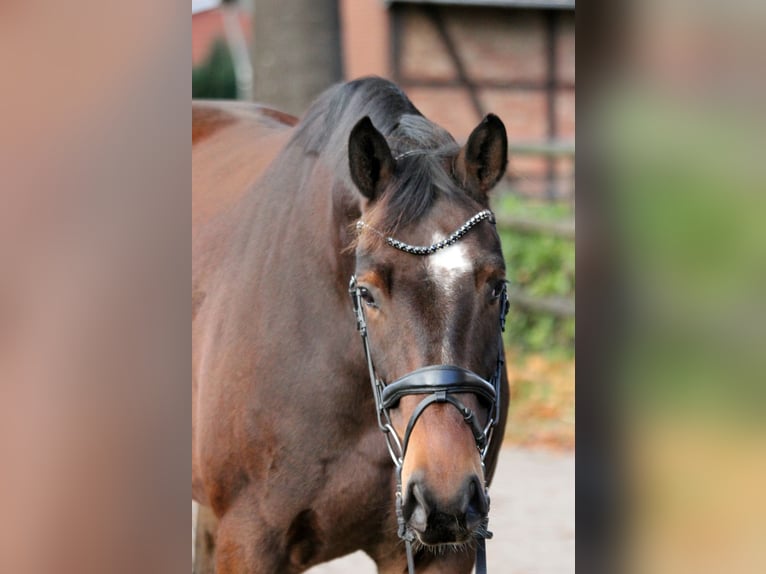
x,y
296,51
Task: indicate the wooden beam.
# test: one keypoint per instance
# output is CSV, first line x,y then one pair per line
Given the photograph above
x,y
558,306
563,229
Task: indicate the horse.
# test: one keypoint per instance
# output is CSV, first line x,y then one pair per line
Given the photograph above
x,y
348,296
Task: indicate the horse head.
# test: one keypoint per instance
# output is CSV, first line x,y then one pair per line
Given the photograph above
x,y
429,288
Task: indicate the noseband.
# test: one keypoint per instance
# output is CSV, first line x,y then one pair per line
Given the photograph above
x,y
439,384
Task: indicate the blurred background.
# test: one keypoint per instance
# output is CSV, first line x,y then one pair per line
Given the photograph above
x,y
94,369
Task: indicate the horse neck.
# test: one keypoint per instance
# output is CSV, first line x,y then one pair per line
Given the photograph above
x,y
300,213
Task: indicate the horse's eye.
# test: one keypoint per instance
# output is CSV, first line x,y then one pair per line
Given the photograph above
x,y
367,297
497,289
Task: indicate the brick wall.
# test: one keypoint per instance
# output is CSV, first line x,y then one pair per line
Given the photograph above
x,y
504,53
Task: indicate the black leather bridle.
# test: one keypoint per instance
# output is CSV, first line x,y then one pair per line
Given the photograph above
x,y
439,384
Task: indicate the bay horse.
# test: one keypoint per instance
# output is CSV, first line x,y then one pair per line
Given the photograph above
x,y
347,278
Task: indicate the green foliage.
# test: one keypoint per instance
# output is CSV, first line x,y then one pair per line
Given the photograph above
x,y
541,266
215,78
689,206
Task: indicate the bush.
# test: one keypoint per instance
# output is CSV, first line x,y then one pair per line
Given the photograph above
x,y
215,78
541,266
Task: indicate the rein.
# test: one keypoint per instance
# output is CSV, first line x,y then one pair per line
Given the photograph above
x,y
438,383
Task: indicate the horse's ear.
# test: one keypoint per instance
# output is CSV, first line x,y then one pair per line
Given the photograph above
x,y
483,159
369,159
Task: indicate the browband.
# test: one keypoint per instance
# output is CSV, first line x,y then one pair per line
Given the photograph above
x,y
430,249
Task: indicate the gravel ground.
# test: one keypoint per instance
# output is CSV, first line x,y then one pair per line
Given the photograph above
x,y
532,516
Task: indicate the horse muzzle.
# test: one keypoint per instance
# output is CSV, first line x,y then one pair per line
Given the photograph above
x,y
454,521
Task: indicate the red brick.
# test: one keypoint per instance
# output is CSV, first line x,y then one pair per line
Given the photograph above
x,y
423,55
523,112
565,114
365,30
448,107
565,48
523,166
499,45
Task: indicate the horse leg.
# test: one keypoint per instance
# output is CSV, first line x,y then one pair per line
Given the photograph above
x,y
204,525
245,545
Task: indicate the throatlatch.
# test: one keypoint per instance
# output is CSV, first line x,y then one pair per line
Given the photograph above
x,y
439,383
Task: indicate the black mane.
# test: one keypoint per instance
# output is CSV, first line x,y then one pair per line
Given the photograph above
x,y
421,148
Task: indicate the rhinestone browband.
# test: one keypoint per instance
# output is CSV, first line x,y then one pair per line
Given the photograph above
x,y
429,249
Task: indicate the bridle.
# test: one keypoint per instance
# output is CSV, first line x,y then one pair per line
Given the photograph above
x,y
438,382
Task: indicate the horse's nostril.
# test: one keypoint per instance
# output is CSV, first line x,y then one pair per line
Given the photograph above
x,y
477,507
417,507
444,521
471,491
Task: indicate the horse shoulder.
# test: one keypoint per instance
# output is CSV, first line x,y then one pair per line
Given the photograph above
x,y
232,144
